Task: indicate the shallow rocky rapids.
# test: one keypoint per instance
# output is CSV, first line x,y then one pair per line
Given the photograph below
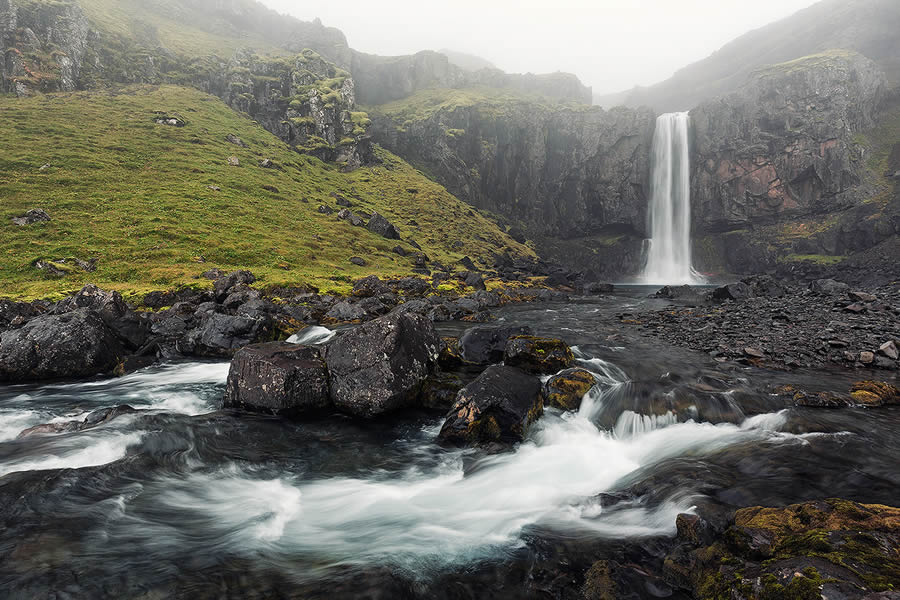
x,y
181,498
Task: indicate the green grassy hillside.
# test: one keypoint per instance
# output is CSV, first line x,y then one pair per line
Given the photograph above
x,y
140,197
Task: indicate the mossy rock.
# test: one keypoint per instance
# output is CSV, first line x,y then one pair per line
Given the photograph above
x,y
599,583
793,551
538,355
875,393
565,390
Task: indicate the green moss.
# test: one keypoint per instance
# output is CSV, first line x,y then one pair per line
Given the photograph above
x,y
141,201
819,259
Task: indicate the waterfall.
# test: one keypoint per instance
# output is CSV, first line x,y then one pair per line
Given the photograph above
x,y
669,254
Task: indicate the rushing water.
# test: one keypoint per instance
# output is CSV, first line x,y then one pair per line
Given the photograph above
x,y
669,250
181,499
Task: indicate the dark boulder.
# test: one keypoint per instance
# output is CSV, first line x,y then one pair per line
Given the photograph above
x,y
381,365
369,286
566,390
765,286
450,357
538,355
132,329
440,390
277,378
221,335
381,226
475,280
16,313
222,286
733,291
485,345
346,312
498,407
73,344
35,215
358,261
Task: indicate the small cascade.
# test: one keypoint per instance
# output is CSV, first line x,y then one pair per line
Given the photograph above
x,y
669,252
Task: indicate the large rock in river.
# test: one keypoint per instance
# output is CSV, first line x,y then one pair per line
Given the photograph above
x,y
129,327
74,344
484,345
538,355
277,378
381,365
498,407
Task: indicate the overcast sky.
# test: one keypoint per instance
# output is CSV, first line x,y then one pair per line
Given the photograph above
x,y
611,45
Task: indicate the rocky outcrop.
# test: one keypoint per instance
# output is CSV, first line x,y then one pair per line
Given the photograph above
x,y
783,145
543,356
74,344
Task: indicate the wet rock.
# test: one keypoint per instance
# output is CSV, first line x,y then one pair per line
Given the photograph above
x,y
828,287
35,215
485,345
566,389
682,293
733,291
380,366
74,344
875,393
94,418
439,391
278,378
764,286
823,548
450,357
223,286
498,407
538,355
693,529
381,226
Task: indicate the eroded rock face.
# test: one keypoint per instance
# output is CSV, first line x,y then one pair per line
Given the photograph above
x,y
73,344
380,366
782,145
278,378
498,407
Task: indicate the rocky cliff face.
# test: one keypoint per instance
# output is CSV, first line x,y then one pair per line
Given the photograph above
x,y
783,145
553,169
304,99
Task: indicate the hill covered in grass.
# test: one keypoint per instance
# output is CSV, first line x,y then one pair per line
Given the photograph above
x,y
159,204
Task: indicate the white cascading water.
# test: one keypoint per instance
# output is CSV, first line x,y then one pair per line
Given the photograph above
x,y
669,253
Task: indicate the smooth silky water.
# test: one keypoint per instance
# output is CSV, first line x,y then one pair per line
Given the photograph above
x,y
183,499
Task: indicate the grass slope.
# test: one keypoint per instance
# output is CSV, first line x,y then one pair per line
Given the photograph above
x,y
136,195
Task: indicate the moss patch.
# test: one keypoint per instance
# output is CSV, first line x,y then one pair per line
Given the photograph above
x,y
158,205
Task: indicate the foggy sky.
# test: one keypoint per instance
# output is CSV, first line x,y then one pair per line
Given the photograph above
x,y
611,45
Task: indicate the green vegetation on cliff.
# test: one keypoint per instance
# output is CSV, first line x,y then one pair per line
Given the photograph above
x,y
151,201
